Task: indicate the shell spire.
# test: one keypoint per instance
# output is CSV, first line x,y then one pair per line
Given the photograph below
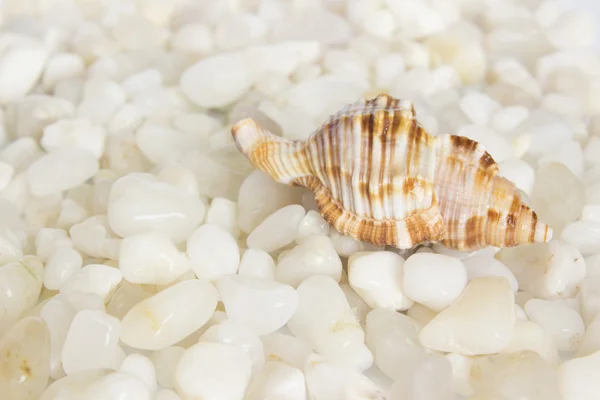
x,y
378,176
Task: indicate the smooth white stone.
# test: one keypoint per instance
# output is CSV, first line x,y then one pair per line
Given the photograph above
x,y
167,394
20,68
83,301
94,238
591,339
213,252
63,263
48,239
127,119
58,314
102,97
314,256
6,174
430,378
60,170
509,118
549,270
585,235
257,264
213,370
169,316
138,204
20,284
327,379
62,66
223,212
311,225
393,336
161,144
260,196
377,277
97,279
450,279
165,362
277,380
421,314
141,366
141,81
151,258
569,154
591,212
325,321
96,385
25,362
91,342
193,38
480,321
461,372
387,68
278,229
578,378
478,107
177,175
262,306
359,307
235,334
217,81
483,265
561,322
285,348
530,336
284,57
518,172
78,133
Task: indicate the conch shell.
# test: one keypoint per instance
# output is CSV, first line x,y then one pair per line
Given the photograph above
x,y
379,177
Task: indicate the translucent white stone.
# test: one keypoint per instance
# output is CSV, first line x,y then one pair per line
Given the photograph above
x,y
550,270
235,334
167,394
94,238
141,366
58,314
262,306
62,66
570,154
151,258
142,80
480,321
312,224
240,31
213,252
591,212
530,336
91,342
257,264
78,133
561,322
49,239
314,256
461,372
377,277
101,99
25,350
277,380
518,172
359,307
6,173
285,348
63,263
421,314
482,265
165,361
20,68
217,81
138,204
509,118
278,229
327,379
134,32
450,279
97,279
169,316
161,144
193,38
430,378
522,375
223,212
478,107
259,197
20,284
325,321
585,235
213,370
393,336
577,377
60,170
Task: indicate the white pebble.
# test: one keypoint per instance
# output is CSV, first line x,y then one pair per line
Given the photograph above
x,y
430,378
257,264
482,265
94,238
561,322
20,68
165,361
6,174
314,256
508,119
578,377
217,81
97,279
58,314
480,321
140,366
167,394
62,66
387,68
285,348
377,277
101,99
325,321
213,370
169,316
177,175
138,204
213,252
78,132
478,107
311,225
60,170
278,229
63,263
91,342
591,339
591,212
49,239
262,306
161,144
223,212
531,336
585,235
193,38
142,81
277,380
151,258
518,172
439,292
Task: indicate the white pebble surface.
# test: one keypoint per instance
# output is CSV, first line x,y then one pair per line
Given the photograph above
x,y
142,256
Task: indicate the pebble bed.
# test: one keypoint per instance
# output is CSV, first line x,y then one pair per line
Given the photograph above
x,y
142,257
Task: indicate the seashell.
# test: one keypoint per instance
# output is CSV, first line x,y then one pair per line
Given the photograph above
x,y
379,177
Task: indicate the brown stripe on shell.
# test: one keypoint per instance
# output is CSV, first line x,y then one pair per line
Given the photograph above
x,y
534,220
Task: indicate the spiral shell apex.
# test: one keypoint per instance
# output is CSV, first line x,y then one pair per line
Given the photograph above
x,y
379,177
